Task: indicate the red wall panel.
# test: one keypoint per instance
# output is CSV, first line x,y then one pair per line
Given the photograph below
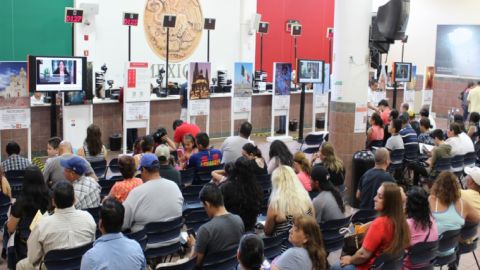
x,y
315,16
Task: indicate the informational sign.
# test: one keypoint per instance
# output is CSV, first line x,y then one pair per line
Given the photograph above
x,y
326,77
199,107
337,93
14,118
282,102
137,82
360,118
427,96
242,87
130,19
137,110
242,104
73,15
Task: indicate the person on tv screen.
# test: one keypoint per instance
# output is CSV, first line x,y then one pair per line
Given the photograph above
x,y
62,71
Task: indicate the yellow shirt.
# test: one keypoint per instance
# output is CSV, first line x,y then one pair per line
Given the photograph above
x,y
474,100
472,197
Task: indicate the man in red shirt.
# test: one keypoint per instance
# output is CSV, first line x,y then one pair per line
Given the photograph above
x,y
182,128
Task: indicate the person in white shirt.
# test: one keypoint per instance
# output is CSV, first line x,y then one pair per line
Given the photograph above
x,y
232,146
454,140
66,228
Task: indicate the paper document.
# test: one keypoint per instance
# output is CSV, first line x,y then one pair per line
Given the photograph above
x,y
422,147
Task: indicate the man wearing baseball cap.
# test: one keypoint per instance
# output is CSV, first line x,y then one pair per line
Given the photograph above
x,y
167,171
472,193
87,190
156,200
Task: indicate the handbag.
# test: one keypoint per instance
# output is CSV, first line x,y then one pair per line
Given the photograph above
x,y
353,240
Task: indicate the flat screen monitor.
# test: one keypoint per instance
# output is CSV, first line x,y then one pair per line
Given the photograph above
x,y
402,72
310,71
52,73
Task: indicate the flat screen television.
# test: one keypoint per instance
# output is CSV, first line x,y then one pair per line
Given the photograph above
x,y
57,73
402,72
310,71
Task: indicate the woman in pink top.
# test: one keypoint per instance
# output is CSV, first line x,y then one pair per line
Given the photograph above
x,y
420,220
302,168
375,132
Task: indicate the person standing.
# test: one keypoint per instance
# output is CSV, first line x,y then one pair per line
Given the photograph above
x,y
463,98
473,99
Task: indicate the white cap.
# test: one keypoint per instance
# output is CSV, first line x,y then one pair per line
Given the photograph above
x,y
474,172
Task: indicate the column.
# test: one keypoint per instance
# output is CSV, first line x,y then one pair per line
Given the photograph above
x,y
350,78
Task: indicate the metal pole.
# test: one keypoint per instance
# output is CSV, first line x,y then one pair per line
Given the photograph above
x,y
394,95
208,45
129,43
261,52
166,72
302,112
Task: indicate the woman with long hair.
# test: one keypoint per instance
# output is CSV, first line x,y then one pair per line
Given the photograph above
x,y
242,194
328,203
376,132
93,149
287,200
448,208
259,166
308,250
333,163
388,233
419,219
279,155
34,197
474,126
302,167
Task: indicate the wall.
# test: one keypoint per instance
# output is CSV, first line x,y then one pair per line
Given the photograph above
x,y
315,16
108,38
34,27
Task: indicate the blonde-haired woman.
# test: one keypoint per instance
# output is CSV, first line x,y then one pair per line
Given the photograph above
x,y
302,167
333,163
287,200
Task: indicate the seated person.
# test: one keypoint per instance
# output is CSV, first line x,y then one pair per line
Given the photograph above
x,y
372,179
308,251
120,190
250,252
93,149
454,140
409,135
66,228
14,161
375,133
156,200
167,171
113,250
441,150
232,146
388,233
414,123
395,141
87,190
472,193
189,148
52,147
302,168
161,137
146,144
425,136
328,203
53,171
259,166
206,156
182,128
222,232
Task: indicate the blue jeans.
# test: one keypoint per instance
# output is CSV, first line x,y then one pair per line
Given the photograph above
x,y
346,267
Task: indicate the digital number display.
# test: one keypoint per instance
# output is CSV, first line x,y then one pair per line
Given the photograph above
x,y
73,15
130,19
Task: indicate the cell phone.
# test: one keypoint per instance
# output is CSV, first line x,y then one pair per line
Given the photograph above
x,y
191,232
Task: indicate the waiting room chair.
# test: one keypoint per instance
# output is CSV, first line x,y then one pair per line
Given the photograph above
x,y
106,186
363,216
457,164
396,157
272,245
187,176
447,241
188,265
113,166
204,174
332,238
190,193
195,216
224,260
421,255
442,165
160,232
312,142
15,179
411,152
388,262
469,159
140,237
5,203
65,259
100,168
469,240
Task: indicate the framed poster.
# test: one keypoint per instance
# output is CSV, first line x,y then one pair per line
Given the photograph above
x,y
199,80
282,78
13,85
402,72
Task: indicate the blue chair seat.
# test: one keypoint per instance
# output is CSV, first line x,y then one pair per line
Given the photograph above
x,y
66,259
